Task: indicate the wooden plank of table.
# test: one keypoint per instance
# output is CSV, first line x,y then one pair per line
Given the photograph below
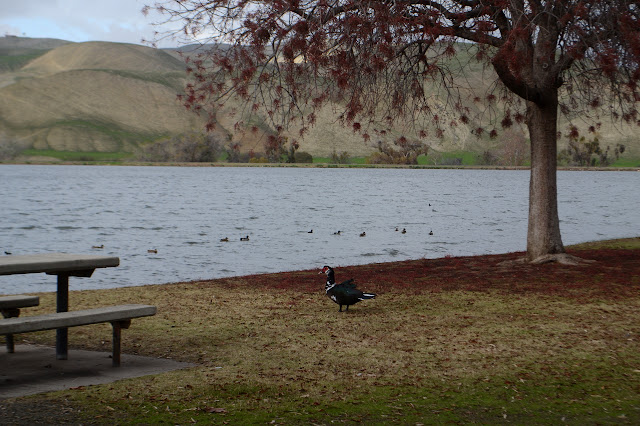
x,y
54,263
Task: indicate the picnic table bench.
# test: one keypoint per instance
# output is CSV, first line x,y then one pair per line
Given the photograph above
x,y
10,308
119,316
63,265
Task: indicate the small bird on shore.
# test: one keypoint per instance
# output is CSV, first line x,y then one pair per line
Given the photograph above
x,y
344,293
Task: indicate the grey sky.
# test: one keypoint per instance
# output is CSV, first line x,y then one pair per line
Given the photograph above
x,y
79,20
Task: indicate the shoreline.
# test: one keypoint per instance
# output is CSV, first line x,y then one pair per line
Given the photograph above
x,y
615,244
309,165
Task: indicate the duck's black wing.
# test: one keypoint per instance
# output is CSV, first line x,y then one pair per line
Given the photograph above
x,y
348,283
347,293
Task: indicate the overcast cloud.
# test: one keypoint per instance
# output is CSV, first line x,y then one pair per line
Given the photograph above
x,y
79,20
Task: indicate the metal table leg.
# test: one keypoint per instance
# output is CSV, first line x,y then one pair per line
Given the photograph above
x,y
62,305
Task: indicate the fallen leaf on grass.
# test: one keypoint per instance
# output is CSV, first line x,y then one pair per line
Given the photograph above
x,y
215,410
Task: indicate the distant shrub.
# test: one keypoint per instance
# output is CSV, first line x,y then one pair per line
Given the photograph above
x,y
234,155
488,158
451,161
403,151
342,158
9,148
303,157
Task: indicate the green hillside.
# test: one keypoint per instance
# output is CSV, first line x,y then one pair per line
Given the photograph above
x,y
114,97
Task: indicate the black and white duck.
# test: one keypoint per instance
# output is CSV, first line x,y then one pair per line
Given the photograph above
x,y
344,293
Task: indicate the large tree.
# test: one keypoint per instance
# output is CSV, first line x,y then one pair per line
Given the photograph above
x,y
393,60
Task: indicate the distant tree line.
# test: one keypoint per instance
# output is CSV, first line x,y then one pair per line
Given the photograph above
x,y
211,147
191,147
511,149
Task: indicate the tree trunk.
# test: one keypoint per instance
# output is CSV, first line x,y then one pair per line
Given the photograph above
x,y
543,235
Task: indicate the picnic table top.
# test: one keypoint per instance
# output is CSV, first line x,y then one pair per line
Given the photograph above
x,y
54,263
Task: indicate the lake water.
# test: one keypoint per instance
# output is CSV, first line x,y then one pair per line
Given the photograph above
x,y
183,212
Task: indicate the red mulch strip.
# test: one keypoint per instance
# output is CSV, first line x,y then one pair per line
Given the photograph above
x,y
615,273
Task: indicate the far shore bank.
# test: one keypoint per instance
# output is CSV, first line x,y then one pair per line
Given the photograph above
x,y
308,165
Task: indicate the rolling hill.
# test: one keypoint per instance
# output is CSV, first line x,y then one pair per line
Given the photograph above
x,y
94,96
113,97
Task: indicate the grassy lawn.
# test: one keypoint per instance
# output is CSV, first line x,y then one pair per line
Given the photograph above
x,y
77,155
455,340
627,162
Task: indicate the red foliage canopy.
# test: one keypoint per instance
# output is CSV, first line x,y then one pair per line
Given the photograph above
x,y
373,57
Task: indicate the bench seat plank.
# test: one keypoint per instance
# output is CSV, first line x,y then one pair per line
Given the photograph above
x,y
119,317
74,318
10,308
13,302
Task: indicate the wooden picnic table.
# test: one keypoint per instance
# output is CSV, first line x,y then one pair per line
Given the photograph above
x,y
64,265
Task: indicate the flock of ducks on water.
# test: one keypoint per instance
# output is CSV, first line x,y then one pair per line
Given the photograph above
x,y
246,238
226,239
362,234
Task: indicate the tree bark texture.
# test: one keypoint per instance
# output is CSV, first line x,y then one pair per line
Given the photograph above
x,y
543,235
